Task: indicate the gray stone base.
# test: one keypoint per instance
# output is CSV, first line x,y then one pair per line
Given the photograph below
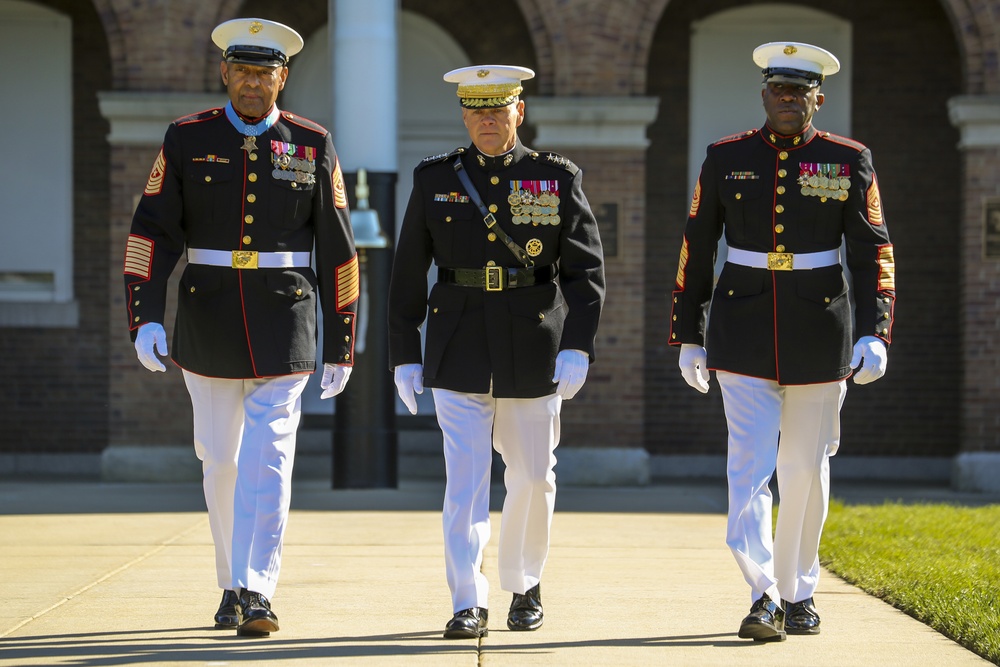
x,y
48,466
150,464
602,466
421,458
935,470
976,471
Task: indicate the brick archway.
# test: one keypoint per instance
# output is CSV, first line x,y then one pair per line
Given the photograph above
x,y
572,61
976,32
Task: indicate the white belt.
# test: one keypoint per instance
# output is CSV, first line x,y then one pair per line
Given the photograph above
x,y
783,261
248,259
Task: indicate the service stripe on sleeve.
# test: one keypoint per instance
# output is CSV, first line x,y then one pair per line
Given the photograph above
x,y
138,256
348,283
155,183
886,268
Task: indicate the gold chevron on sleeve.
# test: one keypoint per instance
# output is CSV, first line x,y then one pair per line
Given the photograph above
x,y
339,189
155,183
695,199
348,283
874,204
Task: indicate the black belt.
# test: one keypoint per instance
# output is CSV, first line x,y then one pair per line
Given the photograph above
x,y
497,278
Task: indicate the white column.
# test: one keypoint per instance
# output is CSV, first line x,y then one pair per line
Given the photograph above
x,y
364,48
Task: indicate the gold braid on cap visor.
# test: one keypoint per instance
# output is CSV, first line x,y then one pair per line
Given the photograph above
x,y
489,95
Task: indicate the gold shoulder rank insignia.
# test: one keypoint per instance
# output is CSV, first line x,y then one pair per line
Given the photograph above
x,y
155,183
874,203
339,190
695,199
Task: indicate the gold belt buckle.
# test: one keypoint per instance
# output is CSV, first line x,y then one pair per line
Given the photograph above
x,y
244,259
494,278
779,261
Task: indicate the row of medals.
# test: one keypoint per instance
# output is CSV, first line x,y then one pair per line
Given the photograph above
x,y
528,209
288,168
825,187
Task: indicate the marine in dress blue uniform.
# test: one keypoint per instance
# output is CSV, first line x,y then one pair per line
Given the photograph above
x,y
245,192
511,323
783,334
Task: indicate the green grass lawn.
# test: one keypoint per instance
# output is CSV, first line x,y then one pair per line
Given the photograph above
x,y
938,563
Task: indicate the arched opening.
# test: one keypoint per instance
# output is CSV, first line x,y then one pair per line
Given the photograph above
x,y
36,256
725,83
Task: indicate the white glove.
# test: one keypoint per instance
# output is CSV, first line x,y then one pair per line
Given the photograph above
x,y
151,334
334,380
571,372
409,378
692,363
875,356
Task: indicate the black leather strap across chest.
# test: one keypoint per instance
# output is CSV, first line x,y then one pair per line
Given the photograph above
x,y
489,218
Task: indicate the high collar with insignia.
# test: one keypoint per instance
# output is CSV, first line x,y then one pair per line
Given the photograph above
x,y
782,142
495,163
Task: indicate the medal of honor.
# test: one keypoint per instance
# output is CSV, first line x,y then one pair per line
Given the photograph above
x,y
249,143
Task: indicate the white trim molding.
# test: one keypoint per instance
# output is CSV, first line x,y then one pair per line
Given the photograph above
x,y
606,123
978,119
141,118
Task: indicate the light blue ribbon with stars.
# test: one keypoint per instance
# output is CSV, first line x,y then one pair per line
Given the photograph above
x,y
251,130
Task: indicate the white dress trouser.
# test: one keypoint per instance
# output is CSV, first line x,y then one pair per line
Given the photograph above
x,y
807,417
525,431
244,434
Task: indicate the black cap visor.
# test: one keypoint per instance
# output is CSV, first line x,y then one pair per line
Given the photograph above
x,y
799,77
255,55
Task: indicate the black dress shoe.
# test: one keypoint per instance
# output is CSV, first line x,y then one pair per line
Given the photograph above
x,y
765,623
467,624
801,618
226,617
526,610
255,615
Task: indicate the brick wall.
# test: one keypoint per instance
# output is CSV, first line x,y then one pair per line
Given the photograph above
x,y
980,392
146,408
608,411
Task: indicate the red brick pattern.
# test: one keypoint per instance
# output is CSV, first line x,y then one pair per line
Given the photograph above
x,y
980,308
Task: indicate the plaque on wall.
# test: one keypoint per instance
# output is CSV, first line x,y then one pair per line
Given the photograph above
x,y
991,229
607,224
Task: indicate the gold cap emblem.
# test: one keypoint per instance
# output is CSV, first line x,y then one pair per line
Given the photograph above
x,y
483,73
790,50
256,27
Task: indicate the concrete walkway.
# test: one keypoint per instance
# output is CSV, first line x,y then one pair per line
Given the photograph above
x,y
119,574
